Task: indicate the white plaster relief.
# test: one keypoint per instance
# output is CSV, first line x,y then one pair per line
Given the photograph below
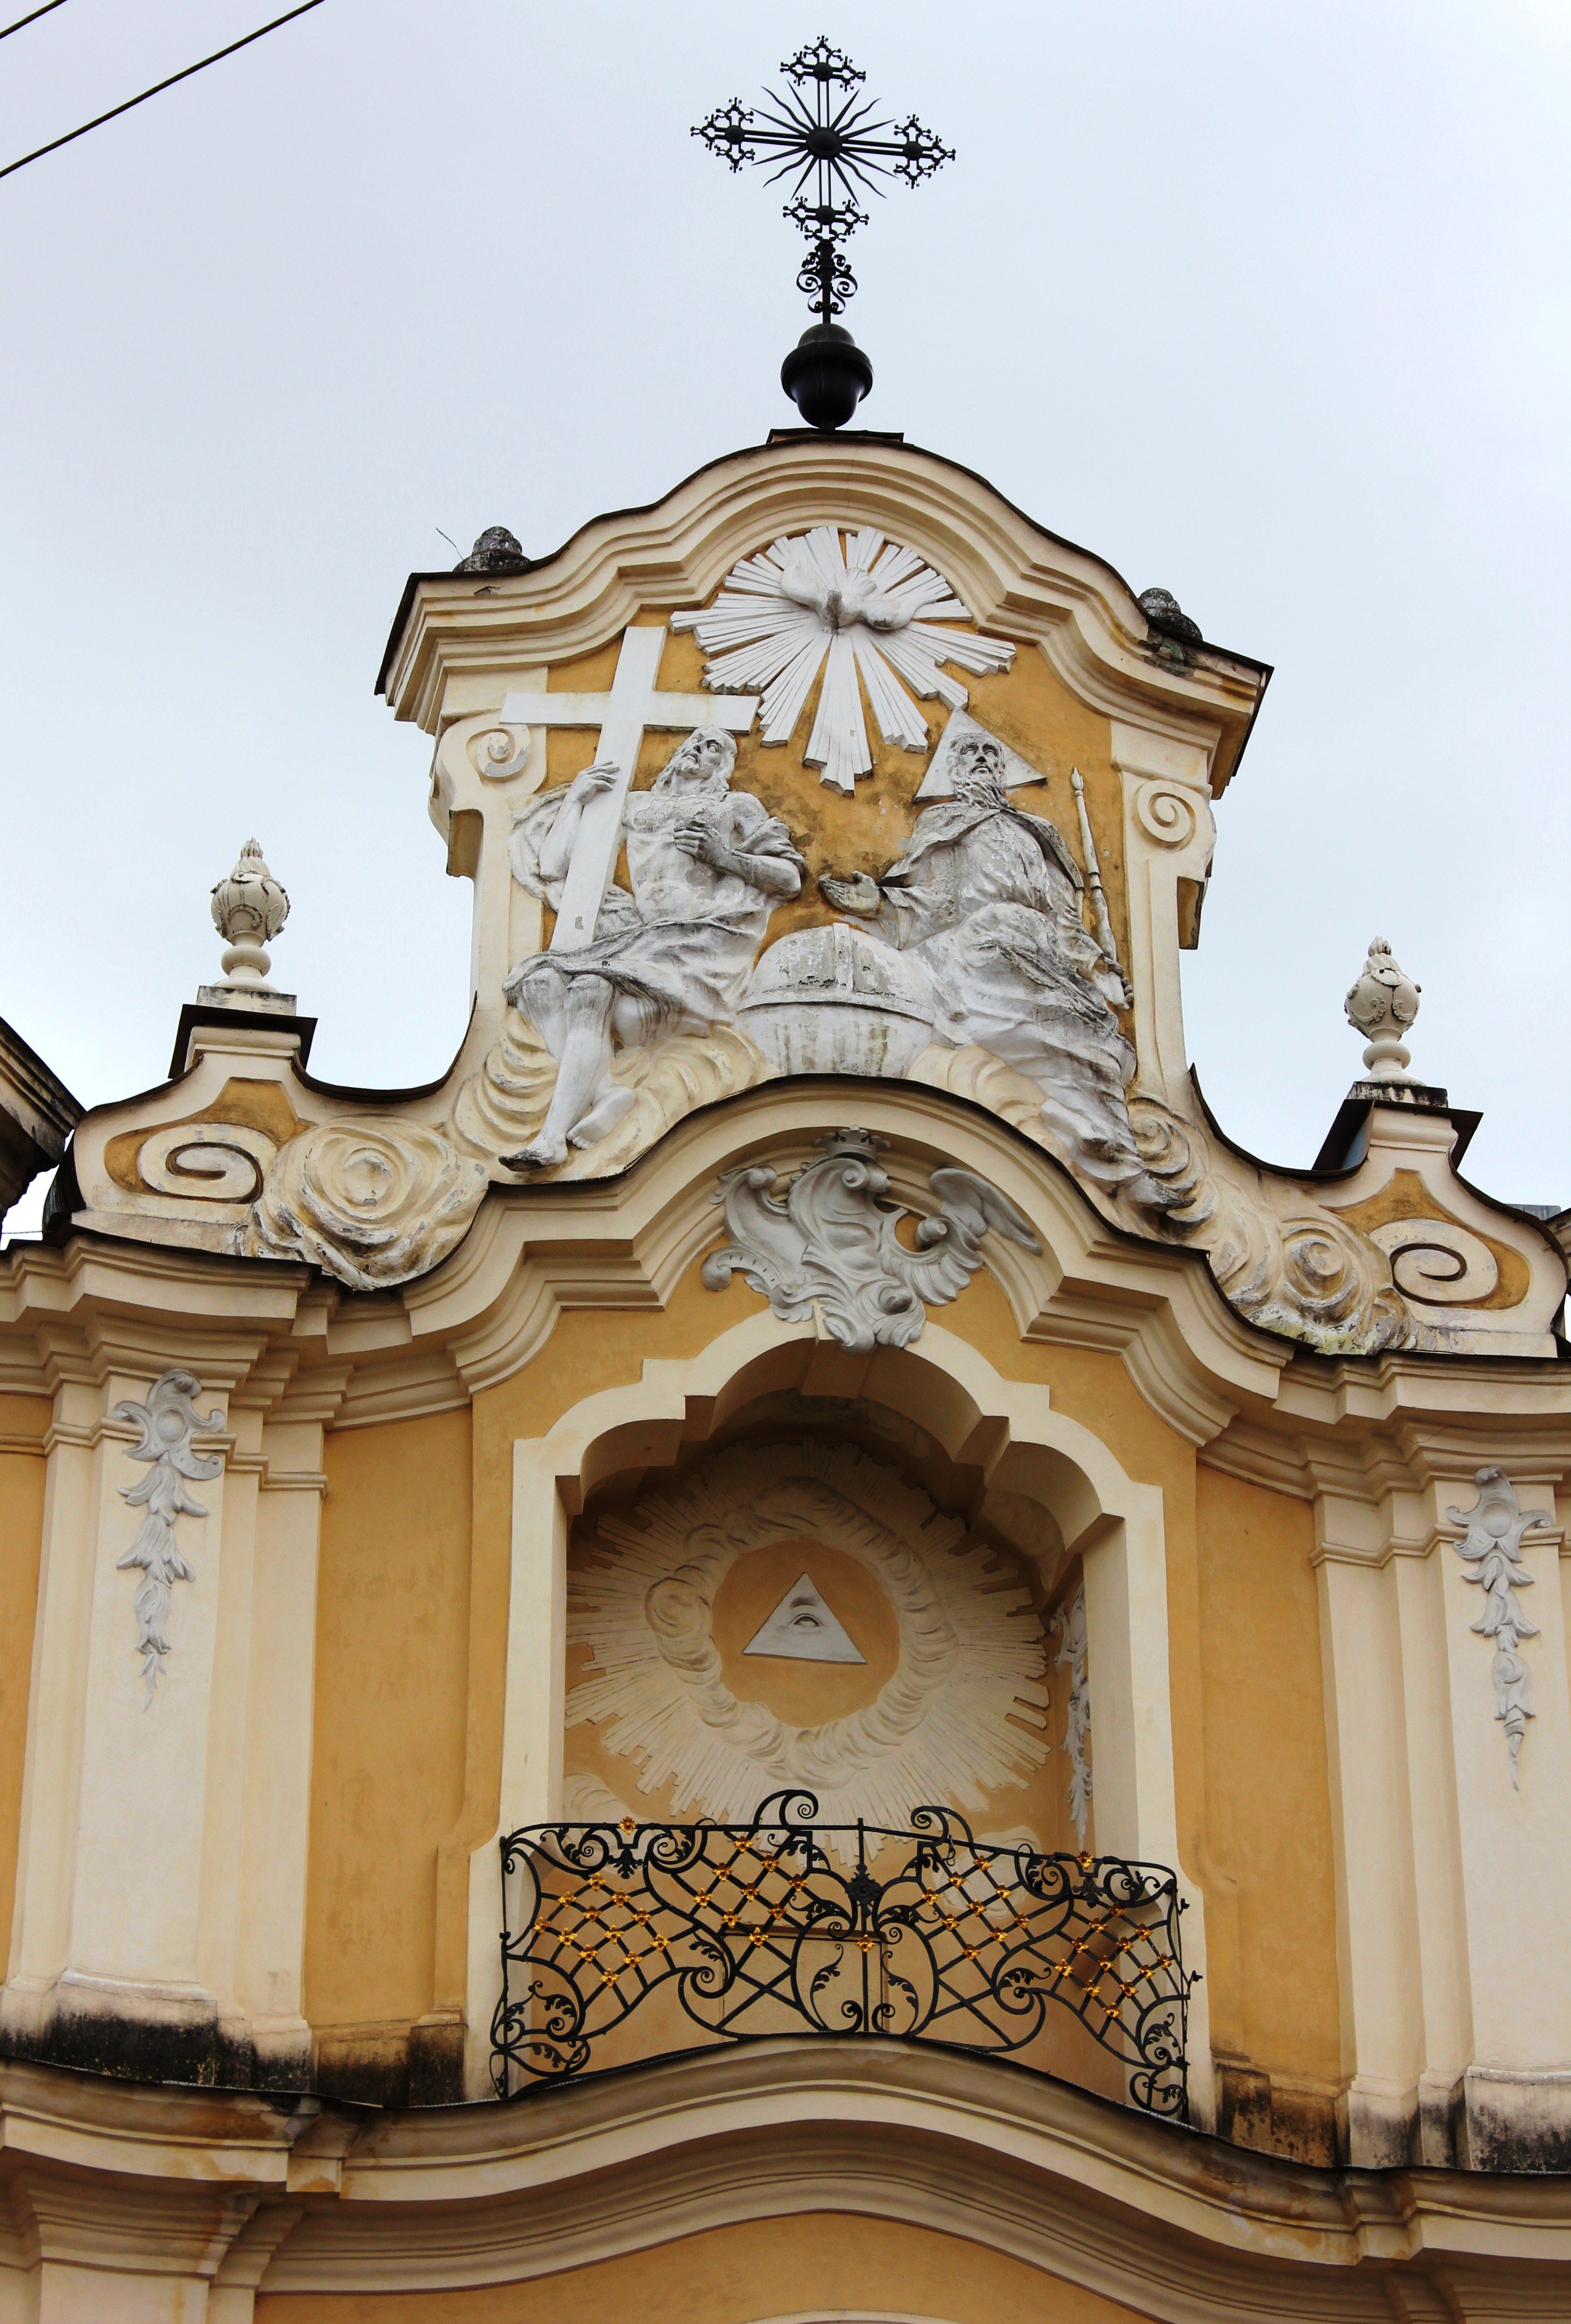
x,y
1493,1546
805,1628
827,1240
634,706
371,1201
707,866
945,1727
865,608
169,1424
1071,1624
985,908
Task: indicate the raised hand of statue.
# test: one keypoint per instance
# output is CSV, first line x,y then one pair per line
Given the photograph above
x,y
858,894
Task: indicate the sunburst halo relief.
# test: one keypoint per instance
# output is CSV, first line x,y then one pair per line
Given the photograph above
x,y
959,1717
810,603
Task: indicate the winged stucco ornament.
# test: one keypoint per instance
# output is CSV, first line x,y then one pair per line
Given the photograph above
x,y
827,1240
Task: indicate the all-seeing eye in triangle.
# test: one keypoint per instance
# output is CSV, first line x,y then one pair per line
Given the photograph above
x,y
803,1630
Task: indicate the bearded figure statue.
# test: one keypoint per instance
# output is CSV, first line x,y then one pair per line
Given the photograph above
x,y
986,902
707,865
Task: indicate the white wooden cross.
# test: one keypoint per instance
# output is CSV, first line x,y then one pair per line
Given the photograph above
x,y
623,715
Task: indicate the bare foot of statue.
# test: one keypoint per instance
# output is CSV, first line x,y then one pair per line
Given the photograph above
x,y
543,1153
603,1115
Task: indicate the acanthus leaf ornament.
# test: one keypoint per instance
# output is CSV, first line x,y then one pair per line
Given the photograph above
x,y
1493,1546
170,1423
826,1241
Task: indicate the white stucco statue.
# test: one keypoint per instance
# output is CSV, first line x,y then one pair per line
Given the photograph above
x,y
708,865
986,899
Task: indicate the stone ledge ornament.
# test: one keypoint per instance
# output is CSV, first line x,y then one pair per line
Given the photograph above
x,y
1383,1005
249,909
826,1241
497,550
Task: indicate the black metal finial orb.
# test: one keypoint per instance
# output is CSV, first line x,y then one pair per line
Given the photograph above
x,y
818,129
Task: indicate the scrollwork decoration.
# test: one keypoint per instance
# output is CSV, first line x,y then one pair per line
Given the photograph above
x,y
205,1161
168,1423
949,1939
825,1241
1165,816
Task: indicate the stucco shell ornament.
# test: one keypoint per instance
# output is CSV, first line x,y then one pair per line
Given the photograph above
x,y
952,1723
809,602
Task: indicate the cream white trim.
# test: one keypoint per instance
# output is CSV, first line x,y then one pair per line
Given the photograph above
x,y
1172,2225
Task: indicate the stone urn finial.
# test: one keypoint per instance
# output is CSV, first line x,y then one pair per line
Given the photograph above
x,y
248,909
1382,1006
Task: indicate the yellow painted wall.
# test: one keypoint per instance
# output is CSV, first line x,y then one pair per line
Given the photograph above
x,y
387,1778
1268,1782
22,1479
805,2264
1249,1744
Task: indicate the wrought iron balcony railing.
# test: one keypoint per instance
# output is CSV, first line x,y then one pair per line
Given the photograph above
x,y
734,1933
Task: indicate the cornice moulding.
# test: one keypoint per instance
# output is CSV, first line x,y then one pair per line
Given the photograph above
x,y
1006,2159
1016,577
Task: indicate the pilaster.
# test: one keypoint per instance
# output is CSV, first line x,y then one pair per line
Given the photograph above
x,y
158,1921
1454,1936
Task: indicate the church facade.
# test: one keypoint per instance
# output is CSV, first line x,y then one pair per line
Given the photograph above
x,y
794,1649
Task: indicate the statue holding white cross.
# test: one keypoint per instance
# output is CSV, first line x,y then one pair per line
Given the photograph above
x,y
707,867
633,707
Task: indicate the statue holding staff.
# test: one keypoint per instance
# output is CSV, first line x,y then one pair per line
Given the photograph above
x,y
985,901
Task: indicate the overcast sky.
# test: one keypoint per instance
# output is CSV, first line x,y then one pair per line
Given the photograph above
x,y
1265,302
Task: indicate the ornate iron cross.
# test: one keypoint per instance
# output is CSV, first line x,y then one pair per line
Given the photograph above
x,y
819,131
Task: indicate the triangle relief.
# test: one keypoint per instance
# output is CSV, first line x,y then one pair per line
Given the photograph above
x,y
803,1630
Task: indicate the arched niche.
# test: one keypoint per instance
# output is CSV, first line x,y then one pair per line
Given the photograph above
x,y
997,1439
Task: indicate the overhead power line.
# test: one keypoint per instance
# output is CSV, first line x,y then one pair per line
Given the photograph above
x,y
22,21
116,110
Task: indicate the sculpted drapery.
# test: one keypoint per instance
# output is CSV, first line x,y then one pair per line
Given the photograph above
x,y
985,902
708,865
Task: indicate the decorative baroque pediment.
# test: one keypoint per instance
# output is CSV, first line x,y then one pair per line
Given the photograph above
x,y
830,763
